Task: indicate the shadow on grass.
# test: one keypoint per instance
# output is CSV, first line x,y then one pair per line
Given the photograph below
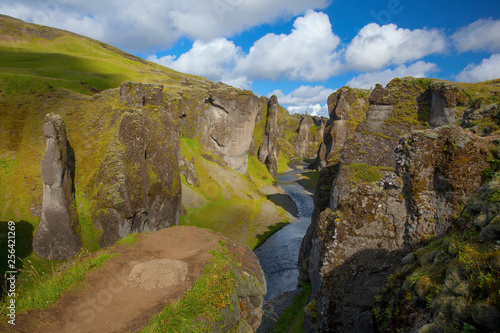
x,y
285,202
261,238
310,180
24,235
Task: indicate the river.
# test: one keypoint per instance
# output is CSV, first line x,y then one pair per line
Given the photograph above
x,y
279,254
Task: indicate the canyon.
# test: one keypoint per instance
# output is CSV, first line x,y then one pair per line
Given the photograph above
x,y
402,228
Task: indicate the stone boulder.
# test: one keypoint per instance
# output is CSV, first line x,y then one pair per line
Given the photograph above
x,y
57,236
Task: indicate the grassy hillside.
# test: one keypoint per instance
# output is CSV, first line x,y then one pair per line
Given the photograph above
x,y
45,70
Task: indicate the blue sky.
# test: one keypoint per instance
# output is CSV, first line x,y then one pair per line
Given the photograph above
x,y
300,50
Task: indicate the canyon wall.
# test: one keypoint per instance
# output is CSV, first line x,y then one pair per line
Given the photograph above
x,y
394,185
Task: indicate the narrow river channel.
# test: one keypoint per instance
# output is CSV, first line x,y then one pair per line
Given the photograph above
x,y
279,254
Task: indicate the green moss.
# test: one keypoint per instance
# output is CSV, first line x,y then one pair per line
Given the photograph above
x,y
89,234
292,320
258,171
364,173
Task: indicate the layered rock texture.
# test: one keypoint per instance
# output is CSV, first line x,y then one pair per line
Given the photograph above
x,y
137,184
450,285
57,236
309,136
223,119
269,149
394,186
347,108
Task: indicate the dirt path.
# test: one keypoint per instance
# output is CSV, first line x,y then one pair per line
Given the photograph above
x,y
114,303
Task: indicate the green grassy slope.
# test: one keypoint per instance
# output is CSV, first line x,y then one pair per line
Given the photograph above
x,y
45,70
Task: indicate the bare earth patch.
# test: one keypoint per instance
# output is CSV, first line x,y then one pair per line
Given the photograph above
x,y
124,294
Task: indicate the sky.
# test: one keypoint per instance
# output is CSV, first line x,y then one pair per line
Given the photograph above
x,y
299,50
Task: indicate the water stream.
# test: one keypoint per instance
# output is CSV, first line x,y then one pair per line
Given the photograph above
x,y
279,254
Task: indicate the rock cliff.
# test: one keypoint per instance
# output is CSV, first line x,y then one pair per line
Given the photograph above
x,y
57,236
395,185
346,108
309,136
223,120
137,186
269,149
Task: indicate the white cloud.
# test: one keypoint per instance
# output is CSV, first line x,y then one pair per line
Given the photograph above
x,y
368,80
307,53
305,99
214,60
376,47
139,26
488,69
481,35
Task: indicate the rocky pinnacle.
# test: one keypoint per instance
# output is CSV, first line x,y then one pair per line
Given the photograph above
x,y
57,236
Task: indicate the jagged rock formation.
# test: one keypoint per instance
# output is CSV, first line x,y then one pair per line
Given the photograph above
x,y
387,195
309,136
450,285
346,108
137,186
223,119
57,236
244,313
269,149
445,98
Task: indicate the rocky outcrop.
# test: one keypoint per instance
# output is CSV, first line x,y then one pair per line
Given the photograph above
x,y
223,120
309,136
57,236
269,149
387,196
446,97
451,284
244,311
137,186
347,108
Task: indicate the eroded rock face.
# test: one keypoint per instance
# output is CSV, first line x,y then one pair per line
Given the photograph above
x,y
244,314
57,236
445,98
443,283
387,195
230,127
346,107
309,136
269,149
223,119
137,187
369,229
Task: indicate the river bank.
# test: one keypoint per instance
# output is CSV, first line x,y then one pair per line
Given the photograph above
x,y
278,255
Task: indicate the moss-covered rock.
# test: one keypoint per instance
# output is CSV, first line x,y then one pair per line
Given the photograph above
x,y
137,186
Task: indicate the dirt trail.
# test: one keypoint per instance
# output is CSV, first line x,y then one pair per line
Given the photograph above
x,y
111,302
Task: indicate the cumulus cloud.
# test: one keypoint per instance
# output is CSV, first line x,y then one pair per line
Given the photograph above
x,y
307,53
481,35
214,60
369,80
376,47
138,26
310,99
488,69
